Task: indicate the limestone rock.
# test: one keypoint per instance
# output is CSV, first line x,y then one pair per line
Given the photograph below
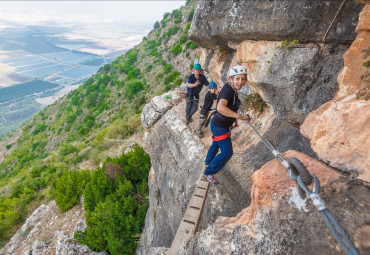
x,y
38,248
177,161
339,133
158,106
129,148
355,75
278,222
339,129
47,231
292,81
68,246
225,24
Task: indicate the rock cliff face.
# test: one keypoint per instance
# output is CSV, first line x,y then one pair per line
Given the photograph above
x,y
225,24
340,129
259,212
47,231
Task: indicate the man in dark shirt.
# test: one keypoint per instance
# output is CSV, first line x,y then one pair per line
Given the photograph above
x,y
208,102
196,81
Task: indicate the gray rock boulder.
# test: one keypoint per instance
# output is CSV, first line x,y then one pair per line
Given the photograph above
x,y
159,106
224,24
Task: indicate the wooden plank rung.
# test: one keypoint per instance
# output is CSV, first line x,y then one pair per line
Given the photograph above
x,y
194,207
188,221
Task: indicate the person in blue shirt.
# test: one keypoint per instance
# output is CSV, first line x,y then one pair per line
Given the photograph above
x,y
226,114
196,81
208,102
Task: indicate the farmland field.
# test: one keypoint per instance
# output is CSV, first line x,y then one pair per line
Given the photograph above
x,y
28,63
68,57
71,46
8,78
80,71
24,89
38,73
38,65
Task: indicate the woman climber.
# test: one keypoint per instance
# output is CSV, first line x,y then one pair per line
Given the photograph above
x,y
222,122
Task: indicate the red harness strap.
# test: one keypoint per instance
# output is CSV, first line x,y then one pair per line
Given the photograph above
x,y
221,137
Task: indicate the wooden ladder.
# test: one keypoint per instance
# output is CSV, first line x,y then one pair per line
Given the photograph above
x,y
190,222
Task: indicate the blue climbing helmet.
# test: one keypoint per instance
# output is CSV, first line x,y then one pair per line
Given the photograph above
x,y
197,67
212,85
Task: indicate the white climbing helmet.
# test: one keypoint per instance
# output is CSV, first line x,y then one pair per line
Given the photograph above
x,y
237,70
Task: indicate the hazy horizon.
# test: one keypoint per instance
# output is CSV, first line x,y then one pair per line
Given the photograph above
x,y
99,20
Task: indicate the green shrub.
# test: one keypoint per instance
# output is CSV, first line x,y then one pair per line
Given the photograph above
x,y
177,82
8,146
164,23
286,45
39,128
166,15
167,68
176,49
172,30
191,45
159,76
133,87
156,25
176,14
254,101
69,188
167,87
183,39
133,73
190,15
66,149
116,208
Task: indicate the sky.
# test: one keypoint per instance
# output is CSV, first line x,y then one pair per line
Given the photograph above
x,y
85,12
111,23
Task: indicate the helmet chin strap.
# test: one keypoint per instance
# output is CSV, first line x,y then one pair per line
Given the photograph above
x,y
232,79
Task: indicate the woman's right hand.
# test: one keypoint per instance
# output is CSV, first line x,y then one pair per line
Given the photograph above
x,y
244,117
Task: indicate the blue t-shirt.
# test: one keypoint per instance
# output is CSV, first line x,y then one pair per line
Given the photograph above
x,y
233,104
194,92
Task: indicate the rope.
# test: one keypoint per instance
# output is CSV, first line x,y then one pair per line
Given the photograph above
x,y
339,233
335,228
327,31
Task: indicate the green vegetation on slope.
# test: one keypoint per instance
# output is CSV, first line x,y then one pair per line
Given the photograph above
x,y
116,201
86,125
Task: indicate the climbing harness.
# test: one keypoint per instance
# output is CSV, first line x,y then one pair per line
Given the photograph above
x,y
221,137
297,172
210,117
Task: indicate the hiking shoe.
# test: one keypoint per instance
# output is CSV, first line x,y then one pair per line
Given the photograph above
x,y
211,178
200,134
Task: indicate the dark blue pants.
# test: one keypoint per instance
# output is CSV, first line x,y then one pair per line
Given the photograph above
x,y
191,107
216,161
